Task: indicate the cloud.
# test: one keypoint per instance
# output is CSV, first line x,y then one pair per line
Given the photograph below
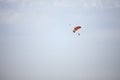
x,y
88,3
61,3
13,11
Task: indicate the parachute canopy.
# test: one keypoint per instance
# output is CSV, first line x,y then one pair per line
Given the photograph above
x,y
76,28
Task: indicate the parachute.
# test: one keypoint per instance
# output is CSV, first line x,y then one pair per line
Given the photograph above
x,y
76,29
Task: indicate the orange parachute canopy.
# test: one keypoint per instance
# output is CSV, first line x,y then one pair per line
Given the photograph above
x,y
76,28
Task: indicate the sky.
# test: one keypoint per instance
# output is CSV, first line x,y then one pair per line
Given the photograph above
x,y
37,41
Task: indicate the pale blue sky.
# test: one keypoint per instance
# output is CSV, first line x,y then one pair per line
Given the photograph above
x,y
37,43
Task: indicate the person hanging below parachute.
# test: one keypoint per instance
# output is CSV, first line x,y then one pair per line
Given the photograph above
x,y
76,29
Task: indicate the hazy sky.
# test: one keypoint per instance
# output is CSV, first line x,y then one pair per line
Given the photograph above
x,y
37,43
